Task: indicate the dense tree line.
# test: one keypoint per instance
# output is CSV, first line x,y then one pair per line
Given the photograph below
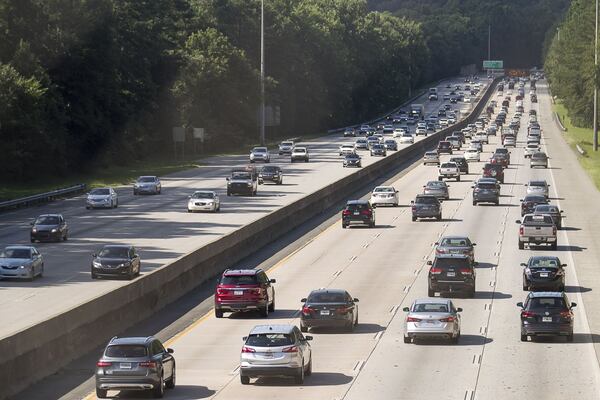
x,y
92,82
569,62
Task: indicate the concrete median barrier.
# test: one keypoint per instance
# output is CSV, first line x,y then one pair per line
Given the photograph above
x,y
44,348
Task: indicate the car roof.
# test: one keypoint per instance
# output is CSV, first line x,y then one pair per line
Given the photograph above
x,y
456,256
143,176
453,237
241,272
350,202
276,328
49,215
131,340
204,191
327,290
117,246
18,246
432,301
545,294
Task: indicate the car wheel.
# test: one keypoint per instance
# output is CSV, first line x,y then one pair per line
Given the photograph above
x,y
521,245
474,203
439,217
525,285
228,193
561,288
159,391
94,276
101,393
171,382
553,246
407,339
218,313
264,312
189,210
458,178
471,293
65,237
87,207
245,380
131,273
272,305
350,327
299,378
135,192
343,225
454,339
414,218
303,328
309,368
523,338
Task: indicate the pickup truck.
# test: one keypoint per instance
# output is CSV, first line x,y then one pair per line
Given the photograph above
x,y
537,229
449,170
243,181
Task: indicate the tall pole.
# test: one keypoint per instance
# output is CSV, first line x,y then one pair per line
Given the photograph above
x,y
489,41
596,82
262,72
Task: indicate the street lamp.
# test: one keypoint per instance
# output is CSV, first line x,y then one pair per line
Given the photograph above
x,y
262,72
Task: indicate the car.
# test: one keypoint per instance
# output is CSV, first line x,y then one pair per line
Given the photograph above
x,y
275,350
147,184
135,363
116,260
451,273
260,154
455,141
358,212
539,159
472,155
352,160
426,206
384,195
449,170
299,154
379,138
21,262
432,318
364,128
391,144
551,210
420,130
329,308
105,197
347,148
49,227
456,245
242,181
361,144
388,129
378,149
287,146
371,140
476,144
463,165
349,132
204,200
544,273
486,192
546,314
444,147
501,156
270,173
539,187
482,137
407,138
398,132
439,189
494,171
244,290
530,201
431,157
509,140
370,132
537,229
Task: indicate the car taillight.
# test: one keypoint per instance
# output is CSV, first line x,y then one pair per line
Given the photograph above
x,y
246,349
465,271
413,319
554,230
148,364
521,231
449,319
366,212
291,349
565,314
440,251
527,314
343,310
346,212
435,270
221,291
307,310
476,190
103,364
257,291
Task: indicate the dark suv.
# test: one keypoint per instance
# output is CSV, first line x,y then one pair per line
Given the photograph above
x,y
546,314
451,273
270,173
444,147
494,171
358,212
135,363
486,192
244,290
544,273
426,206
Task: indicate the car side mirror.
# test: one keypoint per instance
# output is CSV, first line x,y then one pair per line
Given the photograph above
x,y
573,305
406,309
244,338
437,243
355,300
473,244
563,265
170,351
303,300
520,199
32,223
518,221
227,178
273,280
459,309
520,304
308,338
429,262
561,211
412,202
523,265
94,255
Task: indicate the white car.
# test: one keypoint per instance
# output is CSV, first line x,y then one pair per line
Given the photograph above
x,y
204,200
384,195
347,148
531,148
300,154
451,119
260,154
398,132
471,155
476,144
509,141
443,121
482,137
361,143
407,138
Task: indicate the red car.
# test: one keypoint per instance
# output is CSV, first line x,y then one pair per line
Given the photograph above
x,y
244,290
494,171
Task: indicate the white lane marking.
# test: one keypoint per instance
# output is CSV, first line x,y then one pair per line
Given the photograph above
x,y
378,335
394,309
483,330
337,273
492,283
469,394
235,371
352,258
406,289
359,365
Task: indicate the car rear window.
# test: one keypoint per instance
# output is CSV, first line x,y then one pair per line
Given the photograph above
x,y
546,303
357,207
126,351
239,280
269,340
455,242
430,307
486,186
327,298
445,263
426,200
545,262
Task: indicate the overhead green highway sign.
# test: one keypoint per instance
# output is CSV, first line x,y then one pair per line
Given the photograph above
x,y
493,64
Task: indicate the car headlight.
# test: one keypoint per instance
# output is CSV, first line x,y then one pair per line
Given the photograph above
x,y
54,230
249,183
22,266
137,185
96,264
33,230
125,264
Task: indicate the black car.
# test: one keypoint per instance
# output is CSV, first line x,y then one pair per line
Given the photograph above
x,y
116,260
378,150
544,273
349,132
551,210
451,273
463,165
486,192
529,202
358,212
352,160
547,314
329,308
426,206
49,227
444,147
270,173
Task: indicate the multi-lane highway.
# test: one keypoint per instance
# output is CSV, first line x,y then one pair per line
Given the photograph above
x,y
386,269
158,226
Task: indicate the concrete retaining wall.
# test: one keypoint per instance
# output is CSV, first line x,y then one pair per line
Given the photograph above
x,y
43,349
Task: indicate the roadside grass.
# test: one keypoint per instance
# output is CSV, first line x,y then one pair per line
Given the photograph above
x,y
584,138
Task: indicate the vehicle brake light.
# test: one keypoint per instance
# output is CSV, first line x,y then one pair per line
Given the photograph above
x,y
346,212
435,270
343,310
440,251
246,349
465,271
307,310
103,364
291,349
222,291
521,231
366,212
449,319
554,230
414,208
527,314
148,364
565,314
413,319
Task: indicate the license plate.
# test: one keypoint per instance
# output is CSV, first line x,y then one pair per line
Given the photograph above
x,y
324,312
538,238
125,365
268,355
356,213
543,274
238,292
451,274
546,319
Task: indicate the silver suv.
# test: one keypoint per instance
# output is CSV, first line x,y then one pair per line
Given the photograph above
x,y
275,350
135,363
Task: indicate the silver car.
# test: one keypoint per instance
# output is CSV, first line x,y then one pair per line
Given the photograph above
x,y
260,154
204,200
432,318
21,262
275,350
286,147
438,189
147,184
539,159
431,157
102,198
384,195
538,187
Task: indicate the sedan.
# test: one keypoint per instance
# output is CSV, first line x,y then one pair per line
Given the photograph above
x,y
102,198
529,202
300,154
390,144
431,157
333,308
407,138
543,273
539,159
378,150
538,187
531,148
551,210
456,245
204,200
147,184
352,160
21,262
260,154
346,148
116,260
472,155
384,195
50,227
432,318
439,189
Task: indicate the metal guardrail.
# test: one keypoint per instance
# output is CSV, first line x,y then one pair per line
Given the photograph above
x,y
559,122
42,197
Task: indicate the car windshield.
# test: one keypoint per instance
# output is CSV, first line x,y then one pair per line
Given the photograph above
x,y
259,150
239,280
269,169
431,154
300,151
501,151
16,253
327,297
270,340
546,209
430,307
290,143
378,146
449,165
535,199
455,242
47,220
426,200
100,192
537,183
352,156
384,190
240,175
146,179
203,195
546,303
126,351
539,155
114,252
357,207
390,142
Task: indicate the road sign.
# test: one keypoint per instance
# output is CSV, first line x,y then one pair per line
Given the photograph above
x,y
493,64
199,134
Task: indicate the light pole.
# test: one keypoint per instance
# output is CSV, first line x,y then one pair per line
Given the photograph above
x,y
596,82
262,72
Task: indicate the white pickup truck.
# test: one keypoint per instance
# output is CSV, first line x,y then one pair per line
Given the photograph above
x,y
537,229
449,170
